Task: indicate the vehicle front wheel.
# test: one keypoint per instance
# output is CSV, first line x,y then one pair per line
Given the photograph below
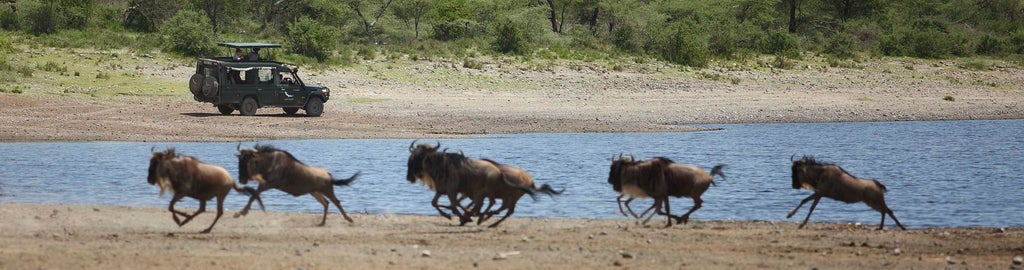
x,y
225,109
291,111
248,106
314,107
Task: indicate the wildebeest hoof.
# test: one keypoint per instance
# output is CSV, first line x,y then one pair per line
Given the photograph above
x,y
206,230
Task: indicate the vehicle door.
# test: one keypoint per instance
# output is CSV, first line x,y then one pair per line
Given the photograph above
x,y
265,88
290,90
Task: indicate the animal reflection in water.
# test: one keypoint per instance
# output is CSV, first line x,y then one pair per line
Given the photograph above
x,y
830,180
659,178
278,169
454,175
187,176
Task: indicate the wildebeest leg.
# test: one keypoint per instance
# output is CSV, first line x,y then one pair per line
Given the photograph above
x,y
668,212
685,218
487,213
813,205
630,209
618,201
334,199
511,205
202,208
220,211
254,197
175,213
896,220
478,204
656,205
464,217
320,198
438,206
809,198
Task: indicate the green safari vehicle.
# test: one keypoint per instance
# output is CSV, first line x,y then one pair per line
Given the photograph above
x,y
246,82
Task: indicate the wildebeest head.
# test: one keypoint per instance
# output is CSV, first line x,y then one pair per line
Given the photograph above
x,y
418,153
615,173
248,164
805,171
158,166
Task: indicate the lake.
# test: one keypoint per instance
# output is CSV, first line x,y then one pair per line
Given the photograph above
x,y
939,173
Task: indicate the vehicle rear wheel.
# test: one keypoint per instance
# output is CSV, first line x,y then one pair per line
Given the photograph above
x,y
195,84
225,109
210,87
291,111
248,106
314,107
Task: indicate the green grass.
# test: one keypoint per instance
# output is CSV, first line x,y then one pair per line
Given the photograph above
x,y
363,100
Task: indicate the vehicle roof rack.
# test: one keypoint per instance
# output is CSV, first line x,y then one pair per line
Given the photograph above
x,y
249,45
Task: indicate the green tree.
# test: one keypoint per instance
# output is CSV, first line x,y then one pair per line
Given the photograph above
x,y
189,33
411,10
312,38
377,8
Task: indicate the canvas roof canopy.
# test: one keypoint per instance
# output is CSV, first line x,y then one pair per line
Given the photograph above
x,y
246,45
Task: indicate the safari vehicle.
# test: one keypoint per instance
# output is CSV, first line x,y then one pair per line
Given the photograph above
x,y
249,82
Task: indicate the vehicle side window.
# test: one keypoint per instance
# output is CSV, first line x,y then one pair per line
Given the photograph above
x,y
266,76
237,77
286,78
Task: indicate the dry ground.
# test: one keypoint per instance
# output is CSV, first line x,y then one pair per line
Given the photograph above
x,y
114,237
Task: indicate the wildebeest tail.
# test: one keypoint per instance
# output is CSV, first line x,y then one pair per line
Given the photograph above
x,y
346,181
546,189
717,170
880,185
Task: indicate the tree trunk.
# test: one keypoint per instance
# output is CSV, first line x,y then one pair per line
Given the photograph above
x,y
792,16
552,18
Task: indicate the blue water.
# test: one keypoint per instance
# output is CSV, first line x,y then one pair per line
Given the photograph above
x,y
943,173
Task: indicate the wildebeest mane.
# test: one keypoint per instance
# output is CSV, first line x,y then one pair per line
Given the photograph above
x,y
271,149
813,162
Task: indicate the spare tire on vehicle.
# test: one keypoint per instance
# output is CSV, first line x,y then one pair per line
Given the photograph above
x,y
210,87
195,84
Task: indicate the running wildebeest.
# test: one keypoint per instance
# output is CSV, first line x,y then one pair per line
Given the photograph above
x,y
451,174
660,178
515,183
830,180
278,169
187,176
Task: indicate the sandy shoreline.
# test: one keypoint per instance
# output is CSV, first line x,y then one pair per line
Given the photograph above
x,y
117,237
435,99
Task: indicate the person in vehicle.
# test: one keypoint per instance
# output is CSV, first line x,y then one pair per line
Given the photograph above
x,y
238,54
254,55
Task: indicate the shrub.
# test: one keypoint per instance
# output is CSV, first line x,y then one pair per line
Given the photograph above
x,y
684,46
1016,44
949,98
781,43
8,19
189,33
841,45
724,42
510,38
456,29
311,38
40,18
992,45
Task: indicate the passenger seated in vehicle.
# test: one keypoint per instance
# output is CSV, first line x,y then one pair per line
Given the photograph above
x,y
238,55
254,55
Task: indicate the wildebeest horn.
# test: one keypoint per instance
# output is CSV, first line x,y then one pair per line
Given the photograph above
x,y
411,145
238,147
152,149
438,144
791,158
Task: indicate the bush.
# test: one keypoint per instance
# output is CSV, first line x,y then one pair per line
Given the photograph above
x,y
311,38
457,29
684,46
510,38
189,33
841,45
992,45
724,42
9,20
40,18
1016,42
781,43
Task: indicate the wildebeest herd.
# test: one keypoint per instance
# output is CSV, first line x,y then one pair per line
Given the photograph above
x,y
459,178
